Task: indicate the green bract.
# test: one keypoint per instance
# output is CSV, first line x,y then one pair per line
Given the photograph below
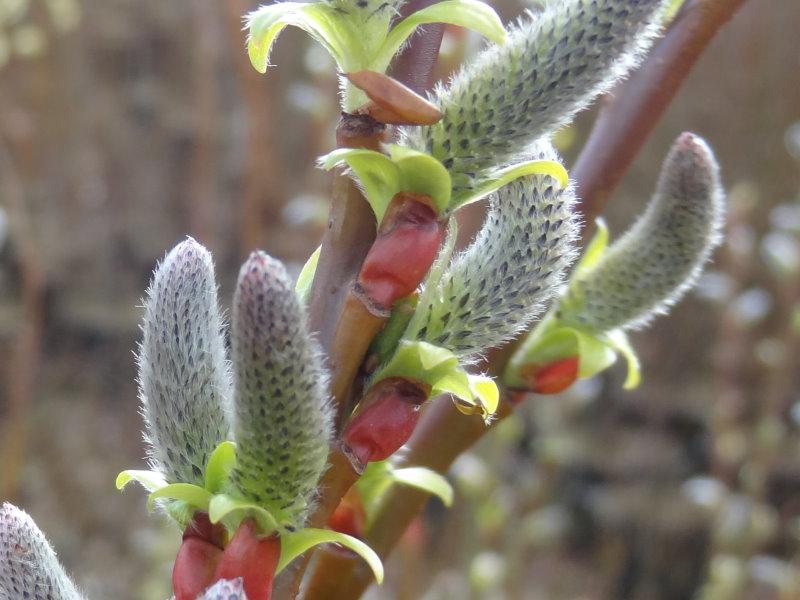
x,y
360,39
407,170
379,476
440,369
188,497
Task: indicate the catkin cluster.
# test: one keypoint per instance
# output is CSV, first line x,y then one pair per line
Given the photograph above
x,y
276,408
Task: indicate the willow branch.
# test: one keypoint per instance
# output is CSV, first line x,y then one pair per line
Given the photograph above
x,y
621,128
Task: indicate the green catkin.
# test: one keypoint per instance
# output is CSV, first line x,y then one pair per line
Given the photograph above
x,y
516,264
283,419
552,65
660,257
28,565
184,379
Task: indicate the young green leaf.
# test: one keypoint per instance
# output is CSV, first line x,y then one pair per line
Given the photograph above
x,y
295,544
470,14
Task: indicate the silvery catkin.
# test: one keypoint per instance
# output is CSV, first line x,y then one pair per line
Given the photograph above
x,y
515,265
552,65
225,589
660,257
184,380
283,419
28,565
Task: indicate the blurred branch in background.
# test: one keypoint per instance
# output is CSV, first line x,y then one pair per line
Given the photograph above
x,y
263,193
20,373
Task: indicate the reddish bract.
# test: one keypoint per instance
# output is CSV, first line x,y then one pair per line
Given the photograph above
x,y
350,516
194,568
198,557
253,558
552,378
388,417
407,244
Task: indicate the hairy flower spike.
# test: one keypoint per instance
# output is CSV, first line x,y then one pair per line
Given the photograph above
x,y
514,266
28,565
184,380
659,258
283,419
552,65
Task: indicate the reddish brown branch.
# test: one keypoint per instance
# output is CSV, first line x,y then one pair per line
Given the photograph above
x,y
20,372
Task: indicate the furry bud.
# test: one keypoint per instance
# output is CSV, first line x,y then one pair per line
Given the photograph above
x,y
28,565
225,589
283,419
515,265
552,65
660,257
184,380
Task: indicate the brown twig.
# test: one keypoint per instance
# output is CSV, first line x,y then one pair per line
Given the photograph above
x,y
620,130
21,370
262,192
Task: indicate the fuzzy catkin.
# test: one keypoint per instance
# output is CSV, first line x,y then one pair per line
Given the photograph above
x,y
515,265
660,257
184,379
225,589
552,65
28,565
283,419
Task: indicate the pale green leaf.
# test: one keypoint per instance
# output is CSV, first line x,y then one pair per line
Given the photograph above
x,y
232,511
485,390
494,181
594,354
471,14
319,20
219,467
595,250
455,382
149,480
306,278
426,480
622,344
192,495
421,173
296,543
431,356
379,176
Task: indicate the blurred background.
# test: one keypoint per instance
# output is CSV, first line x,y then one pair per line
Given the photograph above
x,y
127,124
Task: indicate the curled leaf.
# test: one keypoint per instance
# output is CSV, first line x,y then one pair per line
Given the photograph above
x,y
320,21
470,14
497,179
296,543
224,508
149,480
